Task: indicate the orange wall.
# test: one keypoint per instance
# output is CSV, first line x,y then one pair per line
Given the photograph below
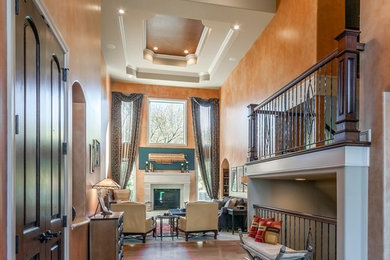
x,y
375,80
152,91
79,24
289,45
330,23
3,132
284,50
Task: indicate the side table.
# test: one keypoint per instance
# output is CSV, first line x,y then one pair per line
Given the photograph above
x,y
173,225
236,212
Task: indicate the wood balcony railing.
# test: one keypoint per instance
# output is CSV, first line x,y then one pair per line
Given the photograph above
x,y
316,109
300,230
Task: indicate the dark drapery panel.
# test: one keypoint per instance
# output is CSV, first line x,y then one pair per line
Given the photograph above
x,y
206,131
124,138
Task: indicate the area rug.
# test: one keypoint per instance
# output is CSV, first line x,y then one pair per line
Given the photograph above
x,y
222,236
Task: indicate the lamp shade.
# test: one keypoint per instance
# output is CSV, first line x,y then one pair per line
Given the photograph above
x,y
108,184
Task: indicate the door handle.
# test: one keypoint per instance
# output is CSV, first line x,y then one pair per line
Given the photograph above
x,y
48,235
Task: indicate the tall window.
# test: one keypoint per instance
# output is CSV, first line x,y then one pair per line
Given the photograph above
x,y
127,118
205,129
167,122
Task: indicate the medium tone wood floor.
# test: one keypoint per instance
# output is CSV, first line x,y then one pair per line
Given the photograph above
x,y
202,250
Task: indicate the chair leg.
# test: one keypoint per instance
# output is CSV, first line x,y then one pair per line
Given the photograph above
x,y
186,236
215,234
143,238
154,232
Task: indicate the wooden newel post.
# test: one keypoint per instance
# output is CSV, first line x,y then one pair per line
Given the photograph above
x,y
252,134
346,120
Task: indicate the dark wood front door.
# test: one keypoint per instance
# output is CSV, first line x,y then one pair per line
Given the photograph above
x,y
39,123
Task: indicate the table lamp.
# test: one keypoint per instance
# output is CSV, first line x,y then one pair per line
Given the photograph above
x,y
107,184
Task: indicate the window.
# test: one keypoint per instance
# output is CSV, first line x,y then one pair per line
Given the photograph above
x,y
167,122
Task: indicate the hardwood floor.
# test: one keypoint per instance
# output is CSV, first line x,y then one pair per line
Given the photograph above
x,y
201,250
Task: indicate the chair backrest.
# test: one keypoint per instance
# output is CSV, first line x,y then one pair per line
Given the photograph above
x,y
123,194
202,215
134,216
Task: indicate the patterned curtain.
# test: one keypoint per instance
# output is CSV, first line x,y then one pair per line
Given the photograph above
x,y
205,116
126,119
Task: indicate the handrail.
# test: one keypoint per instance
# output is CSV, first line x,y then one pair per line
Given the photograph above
x,y
317,108
323,219
298,79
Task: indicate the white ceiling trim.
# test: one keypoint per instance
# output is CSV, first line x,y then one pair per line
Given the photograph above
x,y
219,51
227,42
123,37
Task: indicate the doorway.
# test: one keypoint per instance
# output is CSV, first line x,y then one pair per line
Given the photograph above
x,y
79,153
225,178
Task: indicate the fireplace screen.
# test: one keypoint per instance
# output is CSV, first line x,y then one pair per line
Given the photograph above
x,y
166,199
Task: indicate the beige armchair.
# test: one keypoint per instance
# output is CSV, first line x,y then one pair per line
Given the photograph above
x,y
134,219
123,195
200,217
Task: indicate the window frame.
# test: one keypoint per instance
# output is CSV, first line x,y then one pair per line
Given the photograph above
x,y
167,100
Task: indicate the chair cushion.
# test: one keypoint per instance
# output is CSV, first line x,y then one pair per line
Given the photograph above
x,y
270,251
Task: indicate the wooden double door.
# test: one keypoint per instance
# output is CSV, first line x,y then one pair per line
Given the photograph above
x,y
39,137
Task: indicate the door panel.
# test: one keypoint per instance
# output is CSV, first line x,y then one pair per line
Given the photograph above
x,y
39,110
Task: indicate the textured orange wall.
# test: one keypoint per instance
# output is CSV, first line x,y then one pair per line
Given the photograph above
x,y
330,23
284,50
79,24
3,132
152,91
375,79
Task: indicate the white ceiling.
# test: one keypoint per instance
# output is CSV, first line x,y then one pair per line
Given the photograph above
x,y
123,38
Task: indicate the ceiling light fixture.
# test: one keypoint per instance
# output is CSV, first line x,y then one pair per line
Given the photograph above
x,y
121,11
186,51
155,48
300,179
236,27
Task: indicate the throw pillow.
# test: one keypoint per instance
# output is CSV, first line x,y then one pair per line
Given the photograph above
x,y
254,226
273,232
263,224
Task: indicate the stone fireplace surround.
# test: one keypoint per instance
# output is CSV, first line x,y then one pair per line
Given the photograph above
x,y
167,180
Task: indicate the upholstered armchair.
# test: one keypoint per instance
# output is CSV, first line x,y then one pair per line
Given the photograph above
x,y
134,219
200,217
122,195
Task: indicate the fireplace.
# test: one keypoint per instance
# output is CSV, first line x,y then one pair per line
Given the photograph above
x,y
166,199
167,180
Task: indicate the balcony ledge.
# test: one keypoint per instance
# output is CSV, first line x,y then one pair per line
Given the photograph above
x,y
313,160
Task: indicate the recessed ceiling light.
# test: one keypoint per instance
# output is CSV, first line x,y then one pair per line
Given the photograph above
x,y
236,27
155,48
232,59
300,179
121,11
186,51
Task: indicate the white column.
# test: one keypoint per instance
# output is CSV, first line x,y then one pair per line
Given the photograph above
x,y
352,211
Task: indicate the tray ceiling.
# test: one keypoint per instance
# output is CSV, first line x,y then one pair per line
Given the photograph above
x,y
204,28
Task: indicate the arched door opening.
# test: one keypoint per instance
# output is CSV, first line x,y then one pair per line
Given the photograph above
x,y
225,177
